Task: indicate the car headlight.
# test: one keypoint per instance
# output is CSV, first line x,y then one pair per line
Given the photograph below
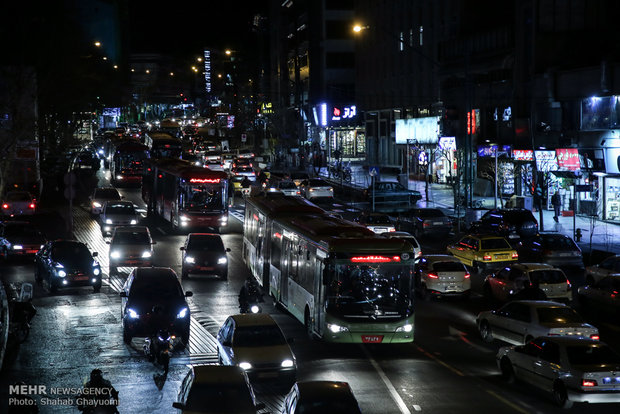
x,y
182,313
133,222
184,218
17,247
331,189
115,254
41,247
222,260
190,259
287,363
96,204
224,219
132,314
146,255
96,271
108,221
61,273
245,365
119,177
336,328
405,328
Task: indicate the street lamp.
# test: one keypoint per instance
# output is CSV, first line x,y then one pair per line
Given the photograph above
x,y
97,43
358,28
228,52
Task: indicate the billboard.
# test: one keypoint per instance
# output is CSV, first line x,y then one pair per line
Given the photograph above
x,y
420,130
568,159
546,161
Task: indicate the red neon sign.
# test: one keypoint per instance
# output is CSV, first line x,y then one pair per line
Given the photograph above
x,y
375,259
205,180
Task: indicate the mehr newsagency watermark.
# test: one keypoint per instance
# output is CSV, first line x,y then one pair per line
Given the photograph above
x,y
43,395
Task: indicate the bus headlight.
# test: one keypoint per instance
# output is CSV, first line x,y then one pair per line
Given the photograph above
x,y
336,328
96,271
287,363
61,273
108,221
245,365
119,177
96,204
405,328
132,314
184,218
17,247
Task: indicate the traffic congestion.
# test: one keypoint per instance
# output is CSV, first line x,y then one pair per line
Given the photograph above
x,y
196,279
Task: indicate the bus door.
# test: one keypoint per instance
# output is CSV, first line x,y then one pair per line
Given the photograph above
x,y
319,295
287,250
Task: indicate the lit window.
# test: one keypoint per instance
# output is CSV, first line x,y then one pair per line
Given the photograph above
x,y
410,37
421,35
401,41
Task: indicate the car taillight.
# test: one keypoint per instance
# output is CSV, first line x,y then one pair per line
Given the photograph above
x,y
515,256
568,285
588,383
31,205
392,229
467,276
595,337
5,206
486,257
433,276
426,224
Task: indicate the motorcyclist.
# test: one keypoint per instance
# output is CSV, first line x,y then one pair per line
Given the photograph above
x,y
98,395
250,293
159,348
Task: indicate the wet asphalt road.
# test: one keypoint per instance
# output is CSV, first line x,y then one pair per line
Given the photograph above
x,y
448,369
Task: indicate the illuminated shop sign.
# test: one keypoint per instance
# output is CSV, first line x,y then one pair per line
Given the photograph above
x,y
421,130
523,155
489,150
546,160
346,112
612,160
266,108
447,143
568,158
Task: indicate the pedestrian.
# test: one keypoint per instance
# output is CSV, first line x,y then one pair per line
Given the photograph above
x,y
538,198
556,201
231,192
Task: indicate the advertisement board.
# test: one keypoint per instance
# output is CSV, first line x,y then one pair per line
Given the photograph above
x,y
421,130
523,155
546,161
568,159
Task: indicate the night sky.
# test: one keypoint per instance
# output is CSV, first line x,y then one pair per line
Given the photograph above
x,y
186,26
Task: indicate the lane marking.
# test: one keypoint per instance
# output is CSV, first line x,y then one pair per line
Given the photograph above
x,y
439,361
417,407
393,393
508,403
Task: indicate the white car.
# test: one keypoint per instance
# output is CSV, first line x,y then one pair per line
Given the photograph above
x,y
316,188
520,321
118,213
572,369
100,196
377,222
288,188
609,266
18,203
130,246
441,275
405,236
508,281
227,161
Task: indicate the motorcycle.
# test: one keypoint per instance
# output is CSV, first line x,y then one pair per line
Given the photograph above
x,y
158,348
21,312
337,170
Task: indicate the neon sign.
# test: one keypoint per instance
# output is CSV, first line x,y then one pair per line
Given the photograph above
x,y
205,180
347,112
375,259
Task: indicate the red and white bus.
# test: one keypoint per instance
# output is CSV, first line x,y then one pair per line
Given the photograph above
x,y
185,195
127,162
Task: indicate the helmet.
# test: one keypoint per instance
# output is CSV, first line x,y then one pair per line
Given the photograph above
x,y
96,375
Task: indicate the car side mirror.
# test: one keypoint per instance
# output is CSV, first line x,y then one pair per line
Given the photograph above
x,y
228,249
95,254
259,406
182,248
178,405
189,293
122,294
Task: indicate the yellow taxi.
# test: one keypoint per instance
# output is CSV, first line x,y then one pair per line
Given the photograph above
x,y
482,251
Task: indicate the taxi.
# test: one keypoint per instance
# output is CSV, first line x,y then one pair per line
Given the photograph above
x,y
483,251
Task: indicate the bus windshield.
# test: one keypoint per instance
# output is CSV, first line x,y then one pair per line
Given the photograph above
x,y
376,290
132,160
202,197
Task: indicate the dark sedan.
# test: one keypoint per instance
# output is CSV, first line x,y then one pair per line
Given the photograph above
x,y
67,263
152,299
603,297
204,253
391,196
321,397
513,224
555,249
425,221
19,239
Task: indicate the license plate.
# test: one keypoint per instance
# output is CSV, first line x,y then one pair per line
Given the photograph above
x,y
268,375
372,339
501,256
206,268
79,278
566,254
451,287
31,251
437,223
380,229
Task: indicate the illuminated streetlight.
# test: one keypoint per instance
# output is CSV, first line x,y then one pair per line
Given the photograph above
x,y
171,73
219,75
228,52
199,59
133,70
115,66
105,58
358,28
97,43
147,71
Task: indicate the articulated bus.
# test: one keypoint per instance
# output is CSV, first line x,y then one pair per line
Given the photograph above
x,y
127,162
343,282
185,195
163,145
260,211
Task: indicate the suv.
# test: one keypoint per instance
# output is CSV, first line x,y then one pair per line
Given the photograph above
x,y
118,213
151,299
130,246
509,223
204,253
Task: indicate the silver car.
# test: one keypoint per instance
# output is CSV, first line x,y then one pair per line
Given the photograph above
x,y
316,188
100,196
520,321
118,213
572,369
441,275
130,246
288,188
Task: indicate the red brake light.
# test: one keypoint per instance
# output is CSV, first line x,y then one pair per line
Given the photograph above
x,y
588,383
595,337
374,259
205,180
486,257
5,205
515,255
467,276
31,205
425,224
433,275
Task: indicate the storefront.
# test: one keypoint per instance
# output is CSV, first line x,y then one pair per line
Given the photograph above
x,y
339,133
611,180
418,137
445,161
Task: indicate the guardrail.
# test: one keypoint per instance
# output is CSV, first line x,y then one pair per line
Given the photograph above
x,y
4,323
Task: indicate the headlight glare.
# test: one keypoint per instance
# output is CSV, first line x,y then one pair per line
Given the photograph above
x,y
17,247
133,222
115,254
184,218
190,259
336,328
96,204
146,255
222,260
182,313
245,365
108,221
405,328
96,271
287,363
62,273
132,314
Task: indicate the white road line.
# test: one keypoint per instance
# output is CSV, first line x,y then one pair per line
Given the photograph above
x,y
417,407
393,393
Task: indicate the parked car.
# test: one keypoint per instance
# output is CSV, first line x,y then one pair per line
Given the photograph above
x,y
216,389
18,203
588,368
513,224
204,253
152,298
483,251
507,282
425,222
377,222
520,321
118,213
405,236
316,188
254,342
19,239
100,196
320,397
555,249
67,263
441,275
602,296
608,267
390,196
130,246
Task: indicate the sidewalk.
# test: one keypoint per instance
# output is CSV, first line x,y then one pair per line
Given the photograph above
x,y
597,235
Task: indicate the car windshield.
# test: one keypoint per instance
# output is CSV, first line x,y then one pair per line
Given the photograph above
x,y
131,160
378,220
449,267
156,288
375,290
120,209
558,315
208,243
69,251
548,276
341,406
558,242
220,398
259,335
494,244
20,230
287,185
18,197
202,197
108,194
428,212
131,237
592,354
